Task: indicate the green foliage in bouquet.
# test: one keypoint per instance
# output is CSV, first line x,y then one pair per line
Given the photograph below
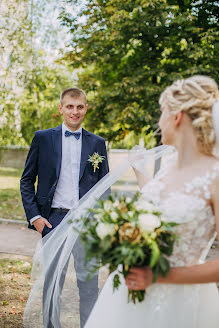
x,y
124,232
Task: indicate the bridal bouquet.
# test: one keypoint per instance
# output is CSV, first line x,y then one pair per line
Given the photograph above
x,y
124,232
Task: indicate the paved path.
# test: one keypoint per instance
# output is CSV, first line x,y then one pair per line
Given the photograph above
x,y
17,239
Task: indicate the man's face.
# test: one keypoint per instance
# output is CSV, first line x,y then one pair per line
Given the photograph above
x,y
73,111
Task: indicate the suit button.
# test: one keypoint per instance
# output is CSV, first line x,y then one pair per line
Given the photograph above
x,y
54,184
49,200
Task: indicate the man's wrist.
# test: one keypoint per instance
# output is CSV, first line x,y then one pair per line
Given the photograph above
x,y
34,219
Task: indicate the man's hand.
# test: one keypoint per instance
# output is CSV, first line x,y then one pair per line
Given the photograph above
x,y
40,223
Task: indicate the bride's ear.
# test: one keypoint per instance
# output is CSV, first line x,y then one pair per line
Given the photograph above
x,y
178,118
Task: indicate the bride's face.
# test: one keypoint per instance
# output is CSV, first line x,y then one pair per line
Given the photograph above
x,y
166,124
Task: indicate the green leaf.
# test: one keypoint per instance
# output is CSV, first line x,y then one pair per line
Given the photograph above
x,y
116,282
164,265
155,254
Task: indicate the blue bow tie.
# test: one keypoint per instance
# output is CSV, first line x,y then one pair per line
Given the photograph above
x,y
75,134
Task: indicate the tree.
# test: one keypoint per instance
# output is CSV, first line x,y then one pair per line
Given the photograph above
x,y
15,58
39,103
130,50
31,81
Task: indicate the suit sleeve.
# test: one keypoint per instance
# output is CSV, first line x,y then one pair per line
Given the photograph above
x,y
28,180
104,166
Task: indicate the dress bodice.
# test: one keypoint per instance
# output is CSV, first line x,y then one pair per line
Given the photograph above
x,y
191,209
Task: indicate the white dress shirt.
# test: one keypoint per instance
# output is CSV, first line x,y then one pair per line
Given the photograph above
x,y
67,189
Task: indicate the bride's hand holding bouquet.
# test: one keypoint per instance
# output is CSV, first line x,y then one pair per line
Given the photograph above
x,y
126,232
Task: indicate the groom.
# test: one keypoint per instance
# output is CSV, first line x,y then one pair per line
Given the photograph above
x,y
59,158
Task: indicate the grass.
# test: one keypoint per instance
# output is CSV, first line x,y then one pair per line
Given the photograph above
x,y
14,289
10,172
10,199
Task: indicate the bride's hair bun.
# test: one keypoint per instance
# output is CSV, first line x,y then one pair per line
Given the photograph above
x,y
195,96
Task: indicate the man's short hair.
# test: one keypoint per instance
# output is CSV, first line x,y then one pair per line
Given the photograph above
x,y
74,93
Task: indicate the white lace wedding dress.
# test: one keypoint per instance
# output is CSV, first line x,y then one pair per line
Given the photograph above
x,y
170,306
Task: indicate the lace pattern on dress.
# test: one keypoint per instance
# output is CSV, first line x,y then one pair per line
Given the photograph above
x,y
190,208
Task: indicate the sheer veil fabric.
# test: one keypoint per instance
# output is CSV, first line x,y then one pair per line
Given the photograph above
x,y
56,247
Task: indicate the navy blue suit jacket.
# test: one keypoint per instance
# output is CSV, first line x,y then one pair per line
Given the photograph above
x,y
44,162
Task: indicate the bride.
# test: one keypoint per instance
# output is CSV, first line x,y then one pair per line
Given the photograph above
x,y
187,191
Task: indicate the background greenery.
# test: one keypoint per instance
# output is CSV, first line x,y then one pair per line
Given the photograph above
x,y
123,53
10,197
31,80
130,50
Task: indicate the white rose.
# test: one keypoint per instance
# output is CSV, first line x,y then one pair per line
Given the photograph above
x,y
143,205
130,213
128,200
148,222
114,216
98,217
105,229
116,203
108,206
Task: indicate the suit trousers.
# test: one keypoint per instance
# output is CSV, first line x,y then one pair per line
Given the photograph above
x,y
88,290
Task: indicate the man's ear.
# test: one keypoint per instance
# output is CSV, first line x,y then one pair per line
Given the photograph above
x,y
60,108
178,118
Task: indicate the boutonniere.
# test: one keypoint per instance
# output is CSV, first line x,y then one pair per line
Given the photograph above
x,y
95,159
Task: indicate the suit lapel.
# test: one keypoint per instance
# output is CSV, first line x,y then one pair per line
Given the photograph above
x,y
85,150
57,146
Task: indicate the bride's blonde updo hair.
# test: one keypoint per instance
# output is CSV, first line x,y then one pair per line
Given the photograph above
x,y
195,96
